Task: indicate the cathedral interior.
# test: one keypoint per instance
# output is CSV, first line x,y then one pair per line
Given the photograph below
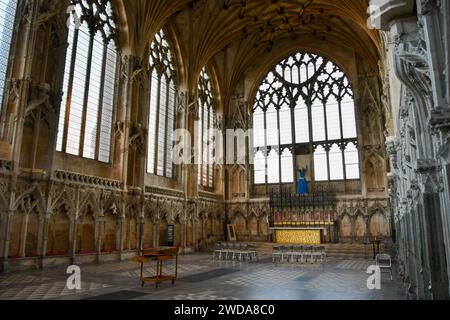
x,y
128,125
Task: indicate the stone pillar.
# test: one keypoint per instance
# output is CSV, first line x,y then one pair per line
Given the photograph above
x,y
73,237
431,181
156,233
23,235
6,239
183,226
98,237
120,236
141,227
194,234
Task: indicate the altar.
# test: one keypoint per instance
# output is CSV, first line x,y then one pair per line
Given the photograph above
x,y
299,235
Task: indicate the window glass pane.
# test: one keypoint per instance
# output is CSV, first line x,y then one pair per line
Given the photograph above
x,y
301,122
348,119
258,129
108,103
287,169
318,121
162,114
154,94
200,143
260,168
272,133
352,162
333,120
273,167
78,91
62,115
320,164
285,125
336,164
90,136
170,130
7,19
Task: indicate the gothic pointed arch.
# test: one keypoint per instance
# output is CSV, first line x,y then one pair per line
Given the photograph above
x,y
90,80
304,116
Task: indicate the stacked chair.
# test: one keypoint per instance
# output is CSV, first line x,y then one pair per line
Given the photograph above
x,y
298,254
229,251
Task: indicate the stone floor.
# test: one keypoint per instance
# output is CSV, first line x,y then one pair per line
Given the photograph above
x,y
202,279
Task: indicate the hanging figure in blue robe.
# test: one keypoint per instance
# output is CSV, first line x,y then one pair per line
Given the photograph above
x,y
302,185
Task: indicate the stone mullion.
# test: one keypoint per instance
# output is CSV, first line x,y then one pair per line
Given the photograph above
x,y
43,234
23,235
183,234
72,237
120,235
156,233
127,102
7,239
194,234
431,182
205,229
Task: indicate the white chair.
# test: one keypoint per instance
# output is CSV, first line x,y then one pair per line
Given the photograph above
x,y
384,262
218,252
277,255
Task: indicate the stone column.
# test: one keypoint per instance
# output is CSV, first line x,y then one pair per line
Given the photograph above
x,y
156,234
183,225
23,235
431,183
73,237
98,237
120,236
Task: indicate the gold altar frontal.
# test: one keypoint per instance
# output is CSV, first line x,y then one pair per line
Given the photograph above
x,y
298,236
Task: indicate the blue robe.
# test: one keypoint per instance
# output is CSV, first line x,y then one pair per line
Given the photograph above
x,y
302,184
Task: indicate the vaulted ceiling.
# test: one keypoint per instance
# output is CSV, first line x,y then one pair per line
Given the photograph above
x,y
206,27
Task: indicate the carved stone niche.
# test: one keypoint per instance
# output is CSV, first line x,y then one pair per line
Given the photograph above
x,y
439,123
430,175
384,12
392,149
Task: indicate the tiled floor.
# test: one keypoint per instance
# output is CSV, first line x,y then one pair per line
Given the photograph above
x,y
202,279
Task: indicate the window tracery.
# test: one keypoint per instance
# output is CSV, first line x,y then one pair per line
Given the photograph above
x,y
206,137
163,94
305,107
86,116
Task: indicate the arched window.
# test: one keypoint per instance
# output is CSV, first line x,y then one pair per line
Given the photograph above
x,y
206,138
162,108
85,123
304,108
7,18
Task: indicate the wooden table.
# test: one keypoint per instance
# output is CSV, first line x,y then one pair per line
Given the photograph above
x,y
159,255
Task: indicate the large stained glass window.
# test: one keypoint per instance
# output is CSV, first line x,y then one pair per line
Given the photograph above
x,y
162,108
85,123
7,18
305,107
206,137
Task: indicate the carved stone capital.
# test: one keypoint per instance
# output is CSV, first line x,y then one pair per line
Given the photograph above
x,y
430,175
